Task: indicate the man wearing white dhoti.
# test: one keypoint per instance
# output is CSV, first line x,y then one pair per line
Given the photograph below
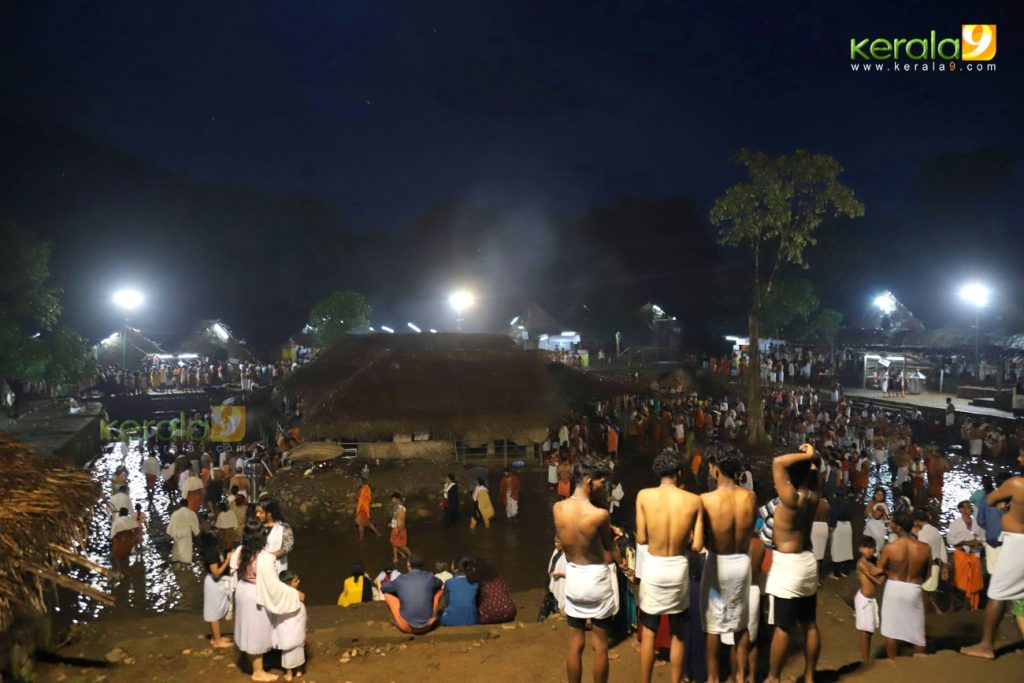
x,y
729,513
1008,578
583,526
792,584
669,523
906,562
182,527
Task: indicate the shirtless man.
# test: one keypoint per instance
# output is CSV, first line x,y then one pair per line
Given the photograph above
x,y
729,514
583,526
792,584
668,522
907,563
1007,581
564,473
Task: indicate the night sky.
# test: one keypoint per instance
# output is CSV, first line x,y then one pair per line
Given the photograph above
x,y
242,159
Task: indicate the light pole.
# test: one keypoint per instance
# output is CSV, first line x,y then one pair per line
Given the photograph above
x,y
461,300
127,300
977,295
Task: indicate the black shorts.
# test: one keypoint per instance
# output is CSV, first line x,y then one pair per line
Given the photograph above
x,y
676,622
787,612
576,622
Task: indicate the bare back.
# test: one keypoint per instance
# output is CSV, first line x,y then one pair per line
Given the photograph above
x,y
906,559
668,520
584,531
1013,491
729,515
792,530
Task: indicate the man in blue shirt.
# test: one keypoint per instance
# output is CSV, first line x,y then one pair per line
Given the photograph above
x,y
413,598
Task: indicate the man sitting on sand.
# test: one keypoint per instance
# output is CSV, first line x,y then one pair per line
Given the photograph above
x,y
907,563
1007,582
413,598
668,522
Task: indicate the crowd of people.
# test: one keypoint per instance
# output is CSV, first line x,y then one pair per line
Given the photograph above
x,y
190,374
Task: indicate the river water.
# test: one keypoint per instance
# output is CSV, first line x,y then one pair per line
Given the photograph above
x,y
323,558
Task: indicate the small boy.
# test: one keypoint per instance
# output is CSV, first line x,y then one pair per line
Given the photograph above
x,y
290,632
864,603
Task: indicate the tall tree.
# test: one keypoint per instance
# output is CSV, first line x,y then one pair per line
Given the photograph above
x,y
775,214
339,314
790,304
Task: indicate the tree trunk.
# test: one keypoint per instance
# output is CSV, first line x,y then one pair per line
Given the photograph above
x,y
755,415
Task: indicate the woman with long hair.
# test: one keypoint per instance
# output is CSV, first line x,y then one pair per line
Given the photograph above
x,y
495,602
216,586
253,627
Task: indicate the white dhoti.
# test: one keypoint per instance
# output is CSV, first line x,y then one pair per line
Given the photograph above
x,y
1008,578
753,616
182,549
641,560
975,447
511,507
552,474
880,455
793,575
591,590
725,593
819,539
932,583
253,629
665,585
991,555
866,611
216,597
842,542
903,612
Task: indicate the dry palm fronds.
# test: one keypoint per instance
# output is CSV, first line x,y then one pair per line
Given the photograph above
x,y
43,500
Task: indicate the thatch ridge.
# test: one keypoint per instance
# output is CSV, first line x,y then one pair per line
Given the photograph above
x,y
45,501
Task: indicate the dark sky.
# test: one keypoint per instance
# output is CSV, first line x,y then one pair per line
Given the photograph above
x,y
379,110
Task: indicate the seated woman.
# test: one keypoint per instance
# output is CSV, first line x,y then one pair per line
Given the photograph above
x,y
495,604
460,596
357,588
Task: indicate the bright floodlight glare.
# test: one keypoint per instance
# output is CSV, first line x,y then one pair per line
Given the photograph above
x,y
886,303
461,300
221,333
128,299
433,331
413,327
975,293
387,329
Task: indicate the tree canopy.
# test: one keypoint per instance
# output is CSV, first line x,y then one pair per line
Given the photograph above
x,y
339,314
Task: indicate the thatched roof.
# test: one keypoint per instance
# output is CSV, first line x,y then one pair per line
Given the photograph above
x,y
946,338
110,350
472,387
213,339
46,503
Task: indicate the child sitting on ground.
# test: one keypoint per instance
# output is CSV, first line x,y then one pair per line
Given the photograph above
x,y
864,603
290,632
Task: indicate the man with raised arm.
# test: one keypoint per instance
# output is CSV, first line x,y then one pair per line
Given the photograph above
x,y
583,526
729,514
1007,581
668,522
792,584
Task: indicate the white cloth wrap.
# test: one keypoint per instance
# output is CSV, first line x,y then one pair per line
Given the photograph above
x,y
975,447
641,560
753,616
591,591
991,558
216,597
294,658
903,612
819,539
931,584
866,611
253,630
1008,578
290,630
725,593
511,507
842,542
875,528
793,575
666,585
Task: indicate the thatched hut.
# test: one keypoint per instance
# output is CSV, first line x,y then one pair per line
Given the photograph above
x,y
47,505
130,349
213,339
469,389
